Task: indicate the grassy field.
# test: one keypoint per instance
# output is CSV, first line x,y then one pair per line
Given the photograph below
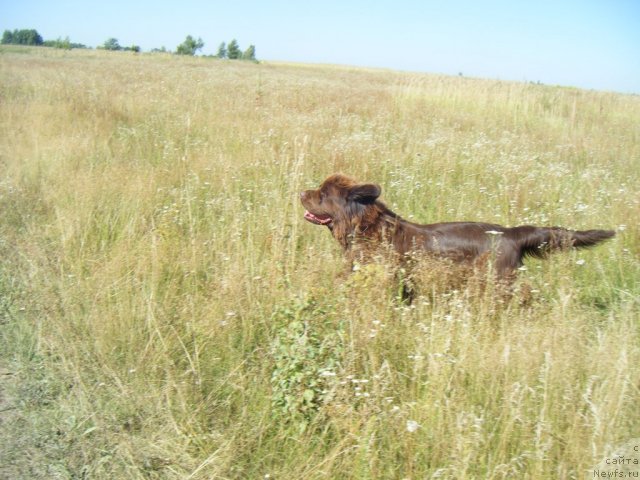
x,y
166,312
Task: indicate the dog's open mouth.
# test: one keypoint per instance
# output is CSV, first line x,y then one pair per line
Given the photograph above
x,y
317,219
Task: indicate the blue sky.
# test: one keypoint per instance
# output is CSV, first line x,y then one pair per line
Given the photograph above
x,y
592,44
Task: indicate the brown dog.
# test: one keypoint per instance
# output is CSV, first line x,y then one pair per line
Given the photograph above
x,y
362,224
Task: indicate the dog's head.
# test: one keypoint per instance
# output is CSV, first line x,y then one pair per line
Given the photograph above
x,y
340,203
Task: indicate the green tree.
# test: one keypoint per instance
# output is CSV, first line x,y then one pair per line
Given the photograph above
x,y
31,37
63,44
222,50
22,37
250,53
233,50
190,46
112,44
7,37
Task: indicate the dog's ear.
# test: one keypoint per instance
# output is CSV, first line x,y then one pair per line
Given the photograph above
x,y
364,193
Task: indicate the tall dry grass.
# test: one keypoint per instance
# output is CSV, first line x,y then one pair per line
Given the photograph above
x,y
167,313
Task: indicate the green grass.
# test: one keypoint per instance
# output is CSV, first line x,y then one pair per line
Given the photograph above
x,y
166,312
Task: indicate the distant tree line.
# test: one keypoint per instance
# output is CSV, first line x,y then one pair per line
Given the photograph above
x,y
21,37
33,38
63,43
190,46
233,51
112,44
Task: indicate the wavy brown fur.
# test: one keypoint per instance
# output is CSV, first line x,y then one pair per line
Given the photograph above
x,y
362,224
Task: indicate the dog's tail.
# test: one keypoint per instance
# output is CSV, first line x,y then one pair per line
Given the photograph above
x,y
541,241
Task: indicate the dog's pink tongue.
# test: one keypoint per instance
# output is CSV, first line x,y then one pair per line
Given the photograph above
x,y
317,219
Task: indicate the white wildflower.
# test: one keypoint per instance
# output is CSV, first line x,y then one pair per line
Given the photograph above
x,y
412,426
581,207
